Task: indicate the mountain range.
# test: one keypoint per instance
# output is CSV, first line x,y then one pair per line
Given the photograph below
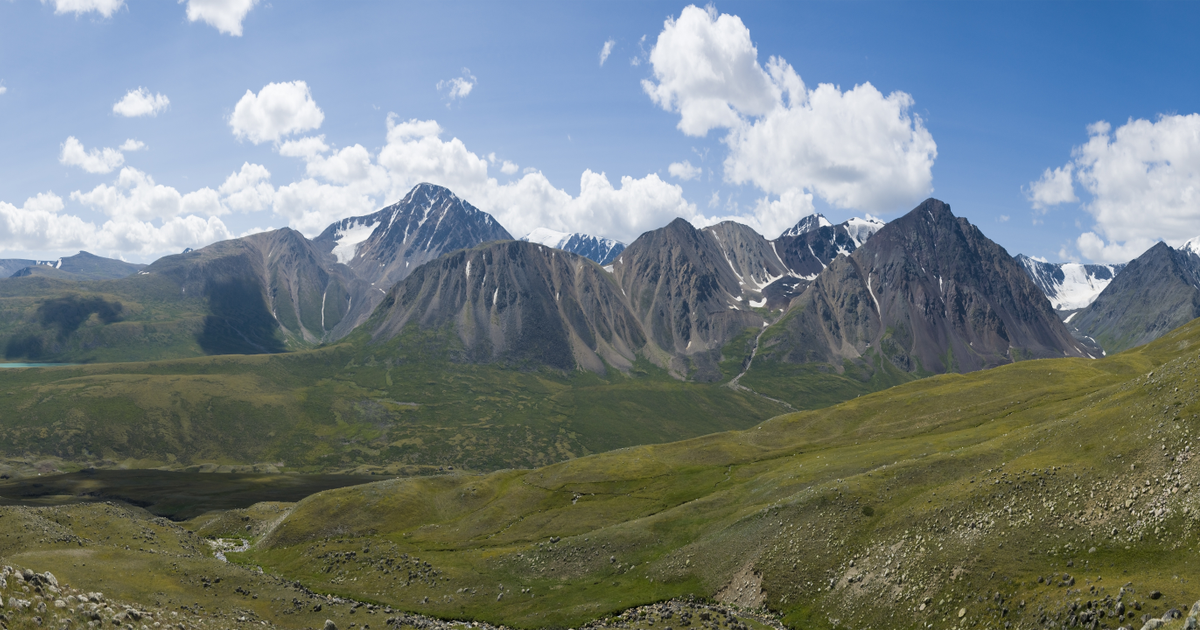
x,y
862,301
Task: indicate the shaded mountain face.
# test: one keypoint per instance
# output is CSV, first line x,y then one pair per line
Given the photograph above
x,y
687,296
930,294
598,249
81,266
265,290
383,248
520,304
1154,294
1069,286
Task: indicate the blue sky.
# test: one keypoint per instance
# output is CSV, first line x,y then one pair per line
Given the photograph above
x,y
967,102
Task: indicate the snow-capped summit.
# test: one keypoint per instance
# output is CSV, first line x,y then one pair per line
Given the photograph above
x,y
809,223
1193,245
1069,286
599,249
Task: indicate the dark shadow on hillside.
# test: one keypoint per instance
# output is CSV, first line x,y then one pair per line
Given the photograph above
x,y
175,495
28,346
68,313
240,321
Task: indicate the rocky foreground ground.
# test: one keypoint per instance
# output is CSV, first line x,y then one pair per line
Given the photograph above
x,y
29,599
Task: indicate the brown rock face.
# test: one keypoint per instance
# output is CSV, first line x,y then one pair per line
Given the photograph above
x,y
518,303
686,295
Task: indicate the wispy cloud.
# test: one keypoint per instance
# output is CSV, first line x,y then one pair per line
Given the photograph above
x,y
606,51
458,87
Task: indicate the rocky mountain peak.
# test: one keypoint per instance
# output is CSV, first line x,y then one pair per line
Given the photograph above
x,y
385,247
807,224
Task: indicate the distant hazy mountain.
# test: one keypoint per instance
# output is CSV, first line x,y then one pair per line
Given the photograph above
x,y
81,266
1154,294
596,248
1069,286
517,303
929,293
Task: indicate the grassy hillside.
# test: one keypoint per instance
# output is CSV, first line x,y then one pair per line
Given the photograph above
x,y
401,407
137,318
1040,493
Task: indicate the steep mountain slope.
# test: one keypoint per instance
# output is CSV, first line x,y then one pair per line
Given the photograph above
x,y
1155,293
751,258
383,248
928,293
1069,286
687,296
518,303
1042,494
266,289
595,248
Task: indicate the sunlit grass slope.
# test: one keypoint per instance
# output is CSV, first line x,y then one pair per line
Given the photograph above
x,y
1029,494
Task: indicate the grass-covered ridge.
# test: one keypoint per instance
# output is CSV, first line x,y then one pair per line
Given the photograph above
x,y
1031,494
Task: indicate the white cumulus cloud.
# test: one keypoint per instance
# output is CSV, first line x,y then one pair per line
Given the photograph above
x,y
95,161
857,149
1052,189
140,102
606,50
130,145
249,189
135,196
79,7
278,110
458,87
683,170
225,15
307,147
3,89
40,226
1142,182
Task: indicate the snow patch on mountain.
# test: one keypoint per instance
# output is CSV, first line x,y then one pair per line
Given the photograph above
x,y
862,229
347,238
1069,286
548,237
